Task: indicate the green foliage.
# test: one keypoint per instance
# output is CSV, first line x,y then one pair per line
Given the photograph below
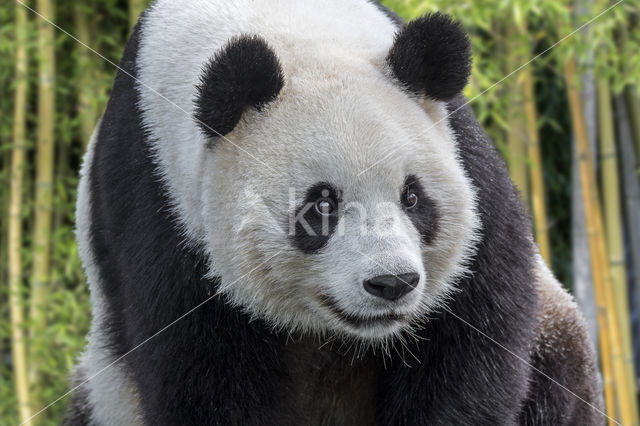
x,y
68,310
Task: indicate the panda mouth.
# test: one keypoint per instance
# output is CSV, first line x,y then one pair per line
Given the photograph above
x,y
359,321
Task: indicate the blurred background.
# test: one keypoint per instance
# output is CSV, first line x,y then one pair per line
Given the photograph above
x,y
567,124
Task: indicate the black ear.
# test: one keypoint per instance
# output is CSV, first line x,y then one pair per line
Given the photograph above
x,y
245,73
431,56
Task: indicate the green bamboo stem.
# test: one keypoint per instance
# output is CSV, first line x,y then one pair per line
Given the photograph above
x,y
14,237
516,132
536,177
525,162
613,370
535,169
86,112
44,176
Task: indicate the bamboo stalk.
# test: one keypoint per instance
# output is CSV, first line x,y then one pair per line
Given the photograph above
x,y
44,173
535,168
536,178
84,87
581,262
613,226
525,162
633,105
613,367
583,290
631,187
16,303
516,133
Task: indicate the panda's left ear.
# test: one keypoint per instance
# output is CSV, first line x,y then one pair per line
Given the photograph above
x,y
245,73
431,56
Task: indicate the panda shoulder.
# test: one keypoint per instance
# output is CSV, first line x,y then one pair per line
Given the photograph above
x,y
560,322
565,373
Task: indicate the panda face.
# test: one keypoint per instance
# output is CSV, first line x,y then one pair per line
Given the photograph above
x,y
336,202
314,238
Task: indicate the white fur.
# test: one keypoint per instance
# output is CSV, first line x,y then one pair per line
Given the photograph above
x,y
112,395
338,114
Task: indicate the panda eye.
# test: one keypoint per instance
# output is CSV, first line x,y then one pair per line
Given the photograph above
x,y
410,199
325,206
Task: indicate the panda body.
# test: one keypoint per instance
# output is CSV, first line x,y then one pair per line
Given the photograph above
x,y
206,312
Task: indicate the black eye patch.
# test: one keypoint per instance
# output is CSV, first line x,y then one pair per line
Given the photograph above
x,y
424,212
316,219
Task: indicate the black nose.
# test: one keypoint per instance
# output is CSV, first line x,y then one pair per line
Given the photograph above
x,y
392,287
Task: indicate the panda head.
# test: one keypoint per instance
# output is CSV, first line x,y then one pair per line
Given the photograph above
x,y
331,196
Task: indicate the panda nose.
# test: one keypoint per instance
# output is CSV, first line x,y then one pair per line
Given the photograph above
x,y
392,287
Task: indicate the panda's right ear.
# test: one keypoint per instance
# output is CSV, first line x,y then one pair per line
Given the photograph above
x,y
245,73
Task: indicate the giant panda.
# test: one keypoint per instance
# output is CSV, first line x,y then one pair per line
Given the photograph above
x,y
289,214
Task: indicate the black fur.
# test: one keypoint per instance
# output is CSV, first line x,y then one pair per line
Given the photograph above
x,y
424,215
245,73
312,231
431,56
214,366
